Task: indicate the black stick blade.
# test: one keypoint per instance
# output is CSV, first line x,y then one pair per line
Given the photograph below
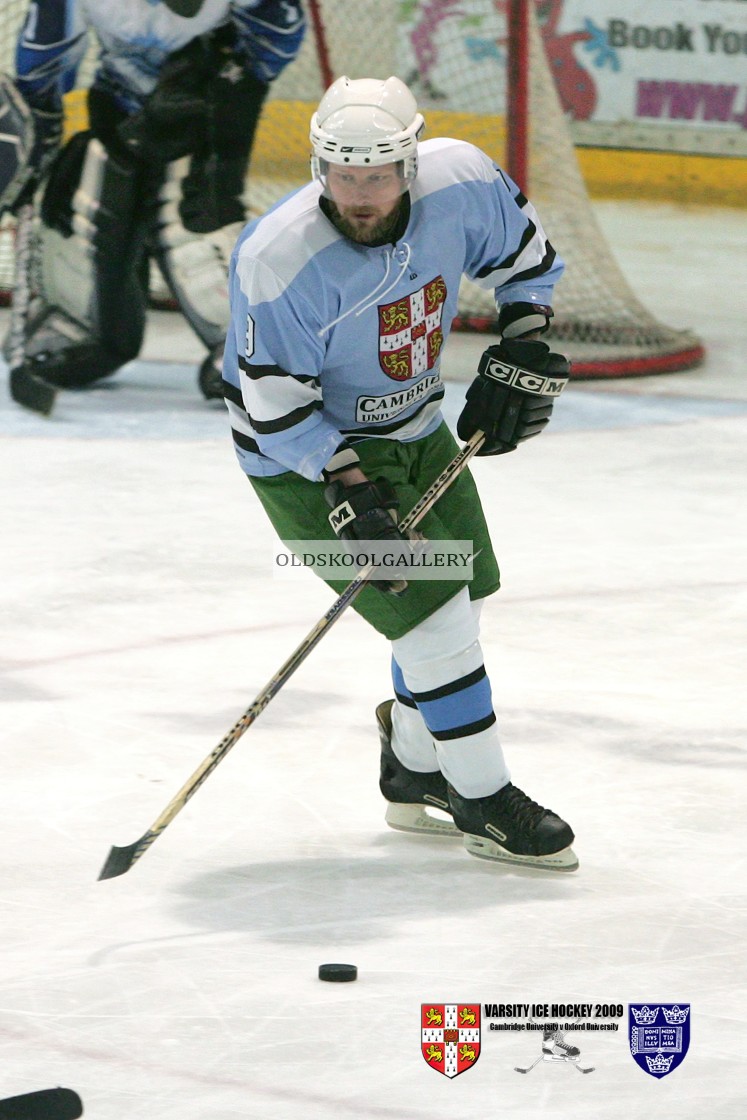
x,y
31,391
120,860
46,1104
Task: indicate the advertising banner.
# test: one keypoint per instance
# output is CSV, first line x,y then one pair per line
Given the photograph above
x,y
662,75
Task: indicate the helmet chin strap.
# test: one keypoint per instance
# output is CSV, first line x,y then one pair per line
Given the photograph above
x,y
186,8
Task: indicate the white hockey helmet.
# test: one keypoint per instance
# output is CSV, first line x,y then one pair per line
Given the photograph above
x,y
366,123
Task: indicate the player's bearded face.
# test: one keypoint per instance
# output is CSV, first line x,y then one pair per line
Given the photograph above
x,y
366,200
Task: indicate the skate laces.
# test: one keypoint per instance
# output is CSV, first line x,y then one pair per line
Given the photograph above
x,y
556,1040
525,812
563,1044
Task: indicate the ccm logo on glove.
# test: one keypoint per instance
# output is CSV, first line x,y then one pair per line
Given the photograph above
x,y
551,386
511,398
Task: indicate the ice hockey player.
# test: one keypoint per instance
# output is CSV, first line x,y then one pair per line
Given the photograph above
x,y
161,171
342,298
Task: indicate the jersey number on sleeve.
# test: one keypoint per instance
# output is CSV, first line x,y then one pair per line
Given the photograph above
x,y
249,337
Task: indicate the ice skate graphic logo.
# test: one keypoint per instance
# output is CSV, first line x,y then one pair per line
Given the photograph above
x,y
659,1036
556,1049
450,1036
410,332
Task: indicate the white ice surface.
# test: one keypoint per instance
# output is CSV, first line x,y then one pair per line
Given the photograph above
x,y
140,619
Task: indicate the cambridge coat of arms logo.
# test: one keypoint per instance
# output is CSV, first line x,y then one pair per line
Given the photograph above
x,y
410,331
659,1035
450,1036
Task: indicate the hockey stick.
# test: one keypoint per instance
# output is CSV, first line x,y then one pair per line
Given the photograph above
x,y
120,860
25,387
45,1104
520,1070
581,1069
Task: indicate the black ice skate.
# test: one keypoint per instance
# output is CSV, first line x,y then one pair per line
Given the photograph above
x,y
210,376
409,792
554,1048
510,827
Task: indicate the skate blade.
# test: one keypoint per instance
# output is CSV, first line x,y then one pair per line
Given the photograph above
x,y
416,818
479,846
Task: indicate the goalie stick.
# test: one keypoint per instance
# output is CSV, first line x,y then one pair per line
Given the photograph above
x,y
121,859
25,387
45,1104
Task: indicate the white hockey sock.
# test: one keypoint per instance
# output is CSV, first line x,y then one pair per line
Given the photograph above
x,y
412,742
441,665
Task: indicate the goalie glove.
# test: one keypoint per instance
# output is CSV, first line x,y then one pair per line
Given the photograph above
x,y
366,511
511,398
173,119
206,101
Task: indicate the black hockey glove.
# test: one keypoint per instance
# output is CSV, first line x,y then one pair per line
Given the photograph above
x,y
206,103
174,116
512,396
366,511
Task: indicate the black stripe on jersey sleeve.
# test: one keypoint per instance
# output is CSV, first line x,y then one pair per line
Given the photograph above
x,y
527,236
232,394
519,198
256,373
245,442
282,423
539,270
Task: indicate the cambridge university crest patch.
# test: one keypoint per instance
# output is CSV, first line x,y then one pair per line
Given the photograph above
x,y
450,1036
410,332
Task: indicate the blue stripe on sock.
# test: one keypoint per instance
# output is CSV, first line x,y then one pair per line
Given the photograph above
x,y
471,705
401,690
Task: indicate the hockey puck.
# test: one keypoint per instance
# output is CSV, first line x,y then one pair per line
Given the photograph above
x,y
44,1104
338,973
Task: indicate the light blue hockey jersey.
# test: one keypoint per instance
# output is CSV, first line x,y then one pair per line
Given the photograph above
x,y
333,340
137,36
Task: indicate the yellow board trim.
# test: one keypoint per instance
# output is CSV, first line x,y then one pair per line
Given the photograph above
x,y
281,151
664,177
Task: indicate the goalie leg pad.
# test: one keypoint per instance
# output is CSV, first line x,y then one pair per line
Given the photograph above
x,y
202,208
195,264
16,143
93,267
63,352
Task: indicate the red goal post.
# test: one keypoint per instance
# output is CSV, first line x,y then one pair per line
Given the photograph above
x,y
480,73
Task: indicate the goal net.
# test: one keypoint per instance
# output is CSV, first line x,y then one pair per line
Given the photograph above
x,y
457,56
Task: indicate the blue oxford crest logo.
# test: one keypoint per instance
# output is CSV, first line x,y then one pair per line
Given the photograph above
x,y
659,1035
